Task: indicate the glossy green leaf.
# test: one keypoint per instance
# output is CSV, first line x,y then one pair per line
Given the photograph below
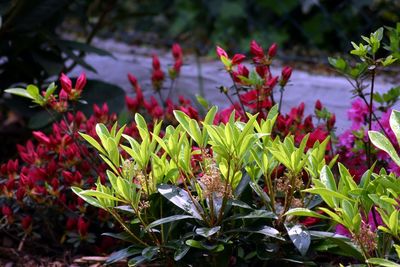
x,y
89,199
382,262
304,212
181,252
395,124
123,254
181,199
381,142
168,220
19,92
254,215
207,232
300,237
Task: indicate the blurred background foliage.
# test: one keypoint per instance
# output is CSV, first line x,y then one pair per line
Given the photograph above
x,y
200,24
35,35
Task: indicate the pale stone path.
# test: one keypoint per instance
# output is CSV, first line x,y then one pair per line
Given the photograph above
x,y
333,91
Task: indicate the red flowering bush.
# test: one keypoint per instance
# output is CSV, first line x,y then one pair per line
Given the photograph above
x,y
256,92
36,186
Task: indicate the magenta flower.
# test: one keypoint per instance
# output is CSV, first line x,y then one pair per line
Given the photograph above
x,y
358,112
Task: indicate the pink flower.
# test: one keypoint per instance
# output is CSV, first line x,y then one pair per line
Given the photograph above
x,y
358,112
221,52
341,230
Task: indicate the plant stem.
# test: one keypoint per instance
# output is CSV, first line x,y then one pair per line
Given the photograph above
x,y
237,92
371,97
171,87
161,98
225,199
268,181
199,73
280,98
119,219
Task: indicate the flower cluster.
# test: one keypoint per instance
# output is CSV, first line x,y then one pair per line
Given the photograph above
x,y
352,144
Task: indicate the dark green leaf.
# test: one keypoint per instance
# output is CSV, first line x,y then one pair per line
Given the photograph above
x,y
99,92
181,199
181,252
207,232
122,254
382,262
300,237
254,215
168,220
150,252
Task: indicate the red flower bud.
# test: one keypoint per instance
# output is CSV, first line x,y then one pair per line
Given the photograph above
x,y
177,51
242,70
63,95
256,49
6,210
82,227
66,83
272,82
262,70
331,122
80,82
158,75
71,223
237,59
286,73
177,65
156,63
68,176
221,52
272,50
132,79
318,105
41,137
26,222
20,194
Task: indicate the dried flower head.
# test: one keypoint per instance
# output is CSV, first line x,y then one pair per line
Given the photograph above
x,y
212,183
366,237
296,203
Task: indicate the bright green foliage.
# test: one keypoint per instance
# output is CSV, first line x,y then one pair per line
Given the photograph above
x,y
214,192
32,92
352,205
383,143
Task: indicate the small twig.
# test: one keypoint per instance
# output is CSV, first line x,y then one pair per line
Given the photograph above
x,y
370,115
237,92
93,33
21,244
